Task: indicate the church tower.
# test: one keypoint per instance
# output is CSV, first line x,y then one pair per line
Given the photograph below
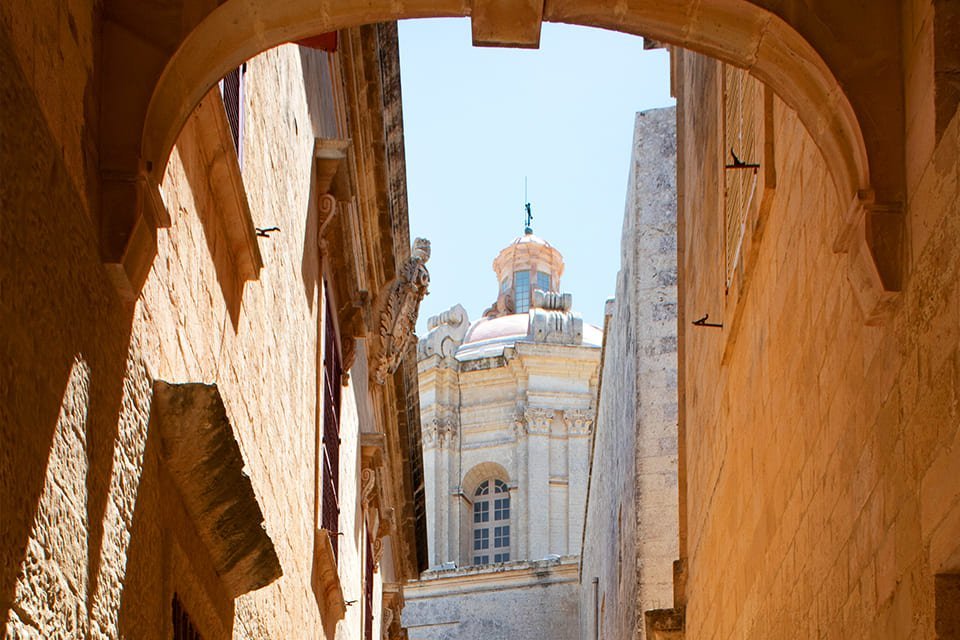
x,y
507,408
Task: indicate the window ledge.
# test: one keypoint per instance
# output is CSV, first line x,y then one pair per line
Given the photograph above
x,y
226,184
326,579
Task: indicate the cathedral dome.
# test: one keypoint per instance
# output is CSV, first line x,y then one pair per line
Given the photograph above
x,y
488,337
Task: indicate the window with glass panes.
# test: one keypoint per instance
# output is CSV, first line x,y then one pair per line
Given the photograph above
x,y
521,291
543,281
330,473
491,522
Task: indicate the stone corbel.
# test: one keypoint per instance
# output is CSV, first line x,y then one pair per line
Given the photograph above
x,y
665,624
398,308
373,449
507,23
392,604
873,237
328,156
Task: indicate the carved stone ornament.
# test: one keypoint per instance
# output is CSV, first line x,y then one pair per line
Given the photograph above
x,y
534,420
399,315
387,622
377,550
442,429
368,482
538,420
579,421
520,424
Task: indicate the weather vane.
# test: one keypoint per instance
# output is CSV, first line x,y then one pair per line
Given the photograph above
x,y
527,228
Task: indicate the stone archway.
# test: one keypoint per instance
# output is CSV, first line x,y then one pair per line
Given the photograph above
x,y
847,92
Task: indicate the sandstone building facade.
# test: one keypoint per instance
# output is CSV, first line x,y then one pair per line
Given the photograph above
x,y
507,404
226,451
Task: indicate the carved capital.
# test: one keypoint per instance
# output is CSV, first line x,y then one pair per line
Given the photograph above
x,y
400,307
538,420
579,421
443,429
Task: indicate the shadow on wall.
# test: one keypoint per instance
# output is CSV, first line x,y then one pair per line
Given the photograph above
x,y
64,358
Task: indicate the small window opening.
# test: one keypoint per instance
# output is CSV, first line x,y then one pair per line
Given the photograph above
x,y
521,291
332,374
491,522
543,281
231,88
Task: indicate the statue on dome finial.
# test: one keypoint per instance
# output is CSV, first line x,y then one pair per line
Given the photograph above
x,y
528,220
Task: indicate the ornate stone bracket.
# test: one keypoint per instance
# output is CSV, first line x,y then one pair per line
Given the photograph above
x,y
400,307
328,157
392,605
446,332
552,321
373,448
873,237
665,624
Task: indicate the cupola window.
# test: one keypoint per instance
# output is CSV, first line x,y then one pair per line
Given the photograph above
x,y
543,281
521,291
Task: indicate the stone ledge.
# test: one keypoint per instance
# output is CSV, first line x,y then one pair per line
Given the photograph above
x,y
199,449
226,184
665,624
326,579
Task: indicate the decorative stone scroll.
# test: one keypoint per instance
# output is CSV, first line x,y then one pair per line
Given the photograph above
x,y
552,321
446,332
399,313
387,622
368,483
579,421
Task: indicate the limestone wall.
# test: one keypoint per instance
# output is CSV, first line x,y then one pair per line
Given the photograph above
x,y
501,602
821,452
631,536
93,540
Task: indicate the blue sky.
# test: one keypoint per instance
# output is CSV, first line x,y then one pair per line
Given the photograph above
x,y
478,120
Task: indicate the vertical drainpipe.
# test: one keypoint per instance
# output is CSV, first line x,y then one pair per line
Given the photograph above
x,y
596,609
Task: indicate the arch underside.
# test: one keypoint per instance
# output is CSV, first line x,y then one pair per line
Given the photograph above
x,y
739,32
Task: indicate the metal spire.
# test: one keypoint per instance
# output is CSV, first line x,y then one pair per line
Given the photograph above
x,y
528,221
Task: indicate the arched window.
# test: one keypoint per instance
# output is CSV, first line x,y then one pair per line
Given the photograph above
x,y
491,522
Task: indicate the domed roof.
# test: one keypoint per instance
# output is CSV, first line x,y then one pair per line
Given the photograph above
x,y
487,337
531,238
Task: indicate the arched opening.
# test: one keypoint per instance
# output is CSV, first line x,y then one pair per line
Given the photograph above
x,y
852,111
490,540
